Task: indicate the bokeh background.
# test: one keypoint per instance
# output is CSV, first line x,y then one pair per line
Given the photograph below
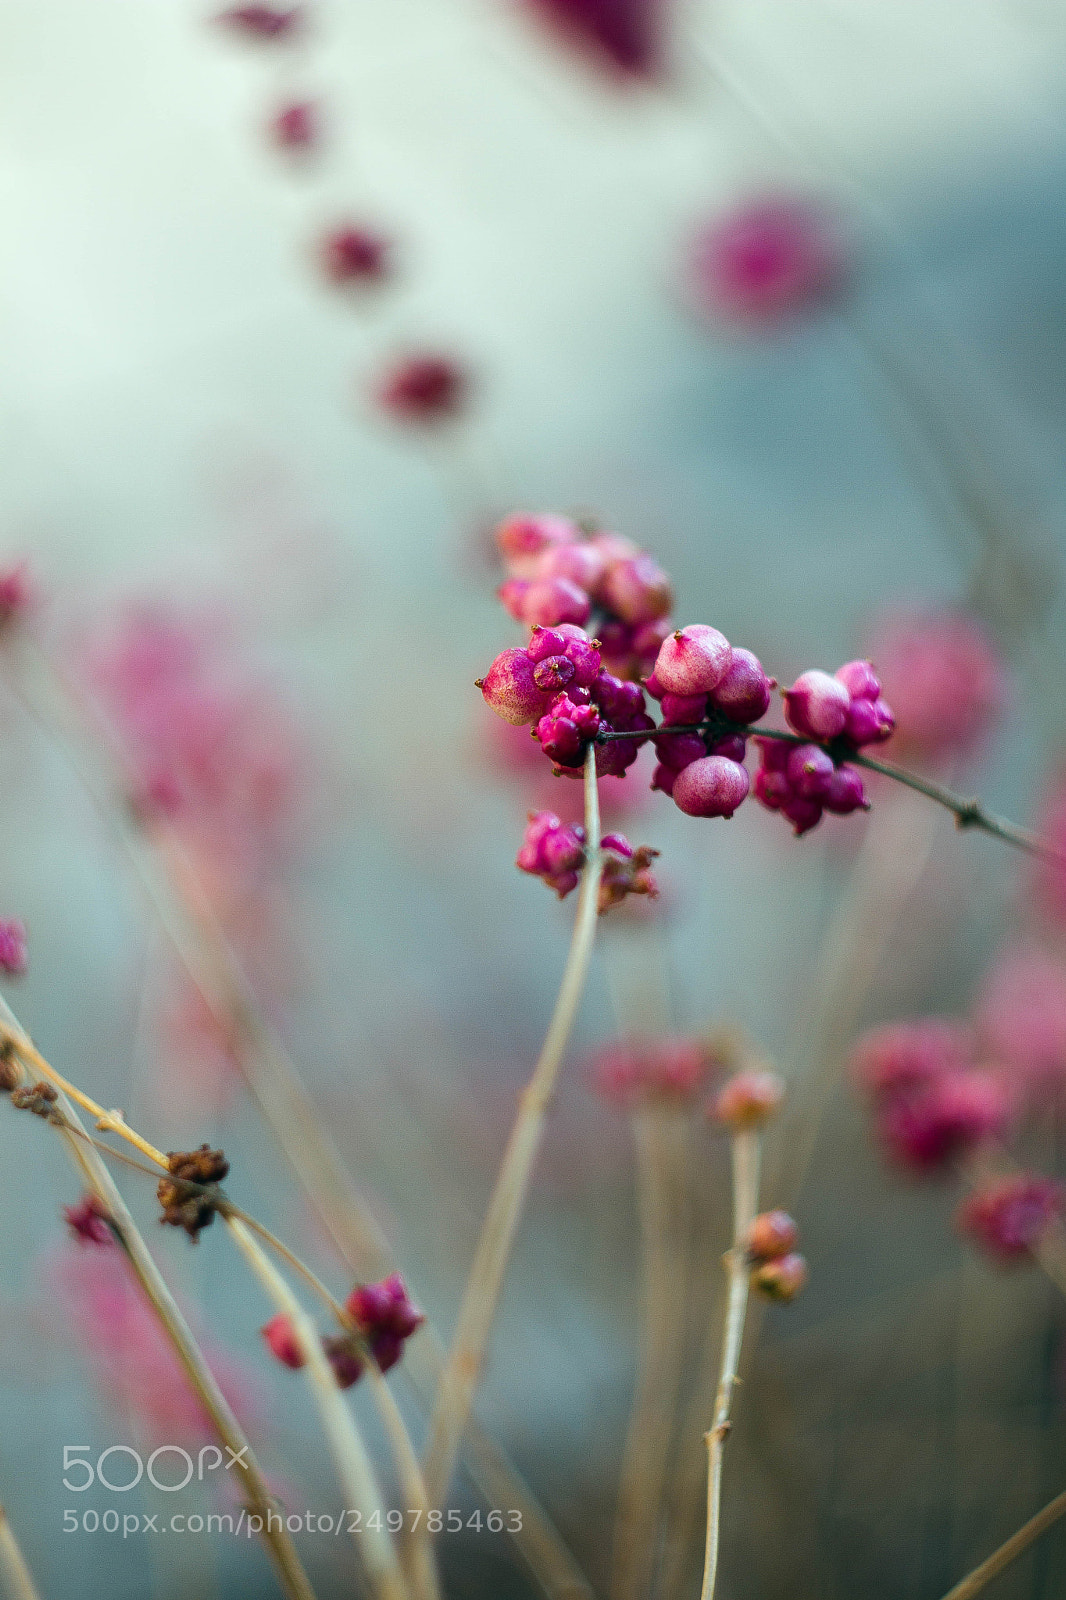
x,y
187,421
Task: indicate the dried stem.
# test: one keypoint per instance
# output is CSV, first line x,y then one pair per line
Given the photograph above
x,y
746,1153
967,813
202,1380
17,1578
1009,1551
485,1279
353,1464
661,1137
275,1083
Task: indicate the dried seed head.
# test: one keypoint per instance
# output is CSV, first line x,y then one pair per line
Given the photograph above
x,y
40,1098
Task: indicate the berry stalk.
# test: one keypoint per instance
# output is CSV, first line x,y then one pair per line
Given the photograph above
x,y
485,1280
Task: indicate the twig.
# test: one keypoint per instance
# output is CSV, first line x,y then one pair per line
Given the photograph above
x,y
1009,1551
968,813
98,1179
349,1453
746,1152
482,1292
18,1580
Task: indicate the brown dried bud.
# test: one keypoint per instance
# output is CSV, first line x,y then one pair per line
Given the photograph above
x,y
748,1100
183,1198
198,1166
773,1234
782,1279
40,1098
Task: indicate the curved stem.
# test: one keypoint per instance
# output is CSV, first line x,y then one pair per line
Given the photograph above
x,y
17,1580
746,1152
1000,1559
354,1467
485,1279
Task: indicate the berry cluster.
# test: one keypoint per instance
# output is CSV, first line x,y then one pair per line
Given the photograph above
x,y
559,683
577,690
555,851
384,1319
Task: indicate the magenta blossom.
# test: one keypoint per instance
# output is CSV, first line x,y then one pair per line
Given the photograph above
x,y
385,1316
769,261
87,1222
929,1127
1008,1217
901,1056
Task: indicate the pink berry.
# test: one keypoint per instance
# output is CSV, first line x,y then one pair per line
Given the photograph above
x,y
282,1342
637,590
845,793
510,688
769,260
803,814
773,1234
296,127
817,705
694,660
625,37
711,787
743,694
684,708
868,722
580,563
943,679
859,679
548,601
424,389
88,1221
524,540
928,1128
809,772
679,750
780,1279
552,850
262,21
351,255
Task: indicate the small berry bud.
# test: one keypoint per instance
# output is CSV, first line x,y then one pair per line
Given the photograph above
x,y
748,1100
296,127
424,389
781,1279
282,1342
773,1234
351,255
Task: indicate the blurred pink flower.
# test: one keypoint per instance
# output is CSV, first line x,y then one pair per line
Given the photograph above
x,y
927,1128
631,1072
1020,1017
624,36
909,1055
768,261
943,679
297,127
355,255
1008,1218
104,1310
210,747
263,21
14,952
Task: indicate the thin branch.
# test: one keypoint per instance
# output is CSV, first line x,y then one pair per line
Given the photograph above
x,y
17,1578
968,813
202,1380
1009,1551
484,1282
746,1152
353,1464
